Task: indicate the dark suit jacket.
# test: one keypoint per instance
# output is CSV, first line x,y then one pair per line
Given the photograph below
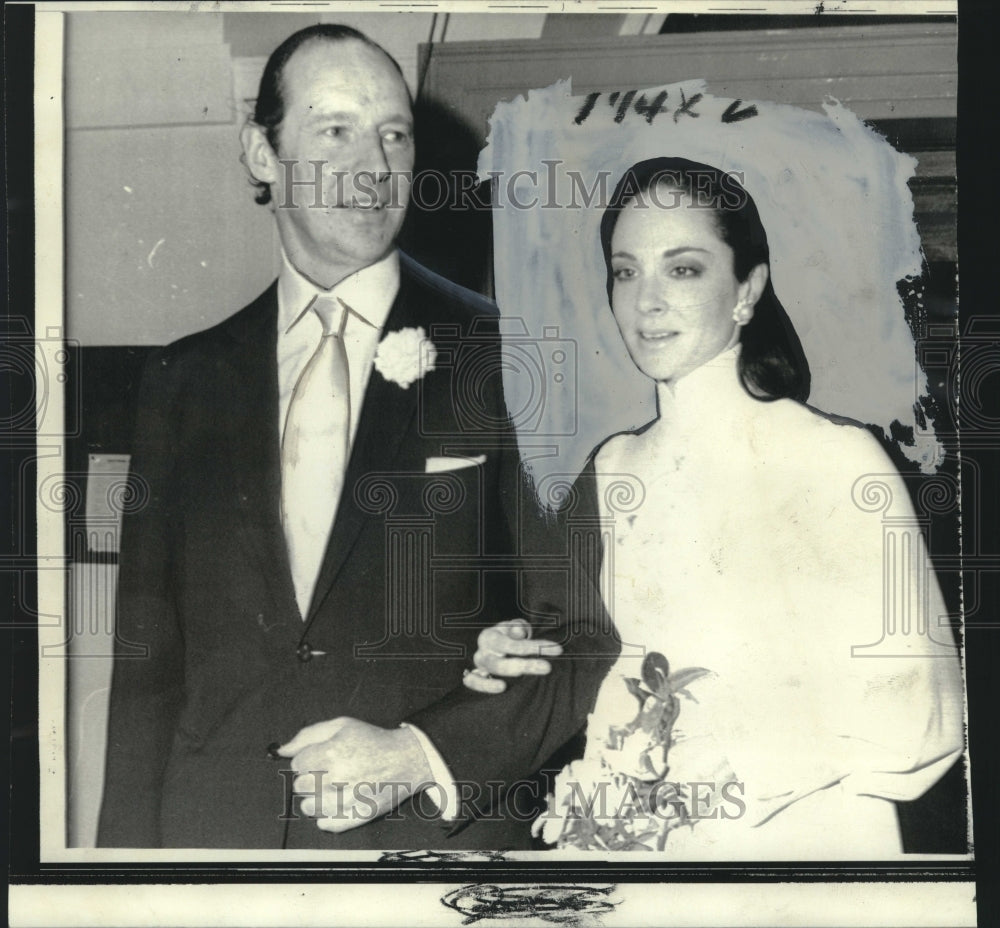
x,y
214,661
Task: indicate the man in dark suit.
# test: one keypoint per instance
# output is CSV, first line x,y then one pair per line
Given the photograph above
x,y
331,503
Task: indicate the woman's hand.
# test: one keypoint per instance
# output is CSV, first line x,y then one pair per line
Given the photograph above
x,y
506,649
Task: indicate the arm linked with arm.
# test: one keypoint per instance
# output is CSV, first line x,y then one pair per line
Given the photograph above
x,y
517,731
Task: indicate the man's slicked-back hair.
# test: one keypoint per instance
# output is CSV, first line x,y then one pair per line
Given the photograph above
x,y
270,108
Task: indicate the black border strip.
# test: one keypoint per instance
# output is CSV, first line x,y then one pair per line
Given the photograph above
x,y
20,643
512,871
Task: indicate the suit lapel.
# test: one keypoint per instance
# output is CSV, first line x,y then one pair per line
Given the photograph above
x,y
386,416
255,447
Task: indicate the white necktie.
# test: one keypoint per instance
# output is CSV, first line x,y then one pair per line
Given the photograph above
x,y
314,450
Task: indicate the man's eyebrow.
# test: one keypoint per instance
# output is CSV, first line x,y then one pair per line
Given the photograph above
x,y
344,116
324,115
397,117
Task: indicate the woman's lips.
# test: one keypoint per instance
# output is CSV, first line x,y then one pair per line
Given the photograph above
x,y
657,337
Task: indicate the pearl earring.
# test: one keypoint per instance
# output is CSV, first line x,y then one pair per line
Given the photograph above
x,y
742,314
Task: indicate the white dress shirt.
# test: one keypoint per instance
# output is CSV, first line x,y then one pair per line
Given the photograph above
x,y
368,295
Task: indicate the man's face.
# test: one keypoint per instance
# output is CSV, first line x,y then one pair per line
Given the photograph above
x,y
347,107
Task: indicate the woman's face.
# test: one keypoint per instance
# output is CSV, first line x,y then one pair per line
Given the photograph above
x,y
674,287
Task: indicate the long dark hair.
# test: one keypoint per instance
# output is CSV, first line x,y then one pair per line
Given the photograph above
x,y
772,364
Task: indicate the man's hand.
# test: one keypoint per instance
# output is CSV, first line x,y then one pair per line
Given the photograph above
x,y
506,650
350,772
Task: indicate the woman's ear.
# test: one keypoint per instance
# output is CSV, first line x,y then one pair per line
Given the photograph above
x,y
751,289
259,157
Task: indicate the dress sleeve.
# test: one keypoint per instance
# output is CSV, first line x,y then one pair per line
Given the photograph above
x,y
864,684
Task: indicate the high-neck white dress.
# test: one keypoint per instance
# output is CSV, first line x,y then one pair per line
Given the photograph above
x,y
780,551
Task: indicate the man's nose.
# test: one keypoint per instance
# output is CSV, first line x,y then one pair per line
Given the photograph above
x,y
373,159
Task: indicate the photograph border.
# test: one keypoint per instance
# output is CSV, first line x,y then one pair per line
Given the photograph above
x,y
42,892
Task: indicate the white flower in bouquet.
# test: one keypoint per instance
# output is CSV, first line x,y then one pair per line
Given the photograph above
x,y
617,797
574,786
589,798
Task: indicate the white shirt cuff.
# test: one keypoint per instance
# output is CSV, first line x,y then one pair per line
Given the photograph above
x,y
448,806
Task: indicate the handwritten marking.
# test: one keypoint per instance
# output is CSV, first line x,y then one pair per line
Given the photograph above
x,y
588,105
734,114
621,102
685,107
625,104
652,110
555,903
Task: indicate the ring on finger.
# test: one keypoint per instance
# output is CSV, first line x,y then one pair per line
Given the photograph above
x,y
477,672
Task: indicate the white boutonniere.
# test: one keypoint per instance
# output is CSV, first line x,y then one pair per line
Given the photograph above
x,y
405,356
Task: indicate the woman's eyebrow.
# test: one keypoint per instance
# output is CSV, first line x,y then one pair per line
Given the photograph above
x,y
669,253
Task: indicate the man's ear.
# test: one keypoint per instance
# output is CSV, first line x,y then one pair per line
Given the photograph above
x,y
750,290
259,157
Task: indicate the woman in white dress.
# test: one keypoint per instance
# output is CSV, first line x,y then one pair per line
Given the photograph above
x,y
755,548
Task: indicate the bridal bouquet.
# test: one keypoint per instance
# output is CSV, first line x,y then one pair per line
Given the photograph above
x,y
618,798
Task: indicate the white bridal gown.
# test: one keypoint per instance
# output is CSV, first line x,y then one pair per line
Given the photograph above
x,y
755,553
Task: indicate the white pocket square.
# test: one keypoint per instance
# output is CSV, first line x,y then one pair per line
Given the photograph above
x,y
437,465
